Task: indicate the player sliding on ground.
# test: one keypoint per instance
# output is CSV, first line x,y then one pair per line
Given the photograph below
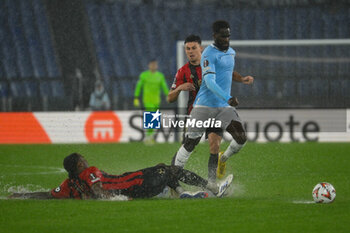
x,y
86,182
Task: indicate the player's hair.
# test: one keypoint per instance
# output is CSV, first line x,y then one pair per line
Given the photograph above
x,y
219,24
193,38
70,164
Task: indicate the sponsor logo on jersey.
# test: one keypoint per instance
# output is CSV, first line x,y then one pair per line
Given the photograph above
x,y
94,178
205,63
206,69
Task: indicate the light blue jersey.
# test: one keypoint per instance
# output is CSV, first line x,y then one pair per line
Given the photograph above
x,y
217,68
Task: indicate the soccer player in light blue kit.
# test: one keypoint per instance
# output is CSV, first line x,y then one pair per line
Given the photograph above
x,y
214,101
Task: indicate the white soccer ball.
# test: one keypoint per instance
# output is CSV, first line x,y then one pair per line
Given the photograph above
x,y
323,193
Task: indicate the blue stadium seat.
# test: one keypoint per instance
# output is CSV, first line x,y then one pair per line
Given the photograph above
x,y
45,89
4,92
340,86
261,24
289,88
319,87
31,88
17,88
26,41
275,23
116,88
316,24
127,87
57,88
302,23
258,87
271,87
304,87
100,41
289,30
32,39
47,49
248,29
18,37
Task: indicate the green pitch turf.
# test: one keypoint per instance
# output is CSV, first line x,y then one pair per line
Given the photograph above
x,y
271,191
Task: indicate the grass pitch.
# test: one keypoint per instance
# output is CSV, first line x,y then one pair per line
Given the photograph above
x,y
271,191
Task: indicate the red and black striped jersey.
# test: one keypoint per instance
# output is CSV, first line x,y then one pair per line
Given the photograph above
x,y
192,74
76,188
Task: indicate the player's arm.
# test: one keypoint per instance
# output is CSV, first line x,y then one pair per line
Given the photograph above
x,y
179,85
138,91
239,78
174,94
98,191
210,81
34,195
209,77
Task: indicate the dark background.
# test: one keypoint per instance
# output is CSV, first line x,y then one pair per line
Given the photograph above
x,y
47,44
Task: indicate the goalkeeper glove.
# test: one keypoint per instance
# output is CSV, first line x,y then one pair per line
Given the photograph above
x,y
136,102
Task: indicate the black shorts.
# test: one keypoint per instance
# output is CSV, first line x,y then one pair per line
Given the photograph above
x,y
155,179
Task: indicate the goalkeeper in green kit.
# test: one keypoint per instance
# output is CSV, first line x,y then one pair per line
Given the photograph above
x,y
151,82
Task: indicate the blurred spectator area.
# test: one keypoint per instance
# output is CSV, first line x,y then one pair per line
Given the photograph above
x,y
127,34
29,73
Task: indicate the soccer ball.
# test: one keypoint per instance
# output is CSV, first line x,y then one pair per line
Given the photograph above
x,y
323,193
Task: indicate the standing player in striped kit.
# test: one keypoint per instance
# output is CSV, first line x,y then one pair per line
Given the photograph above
x,y
189,78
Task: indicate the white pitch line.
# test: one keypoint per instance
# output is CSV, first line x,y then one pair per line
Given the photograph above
x,y
54,170
303,202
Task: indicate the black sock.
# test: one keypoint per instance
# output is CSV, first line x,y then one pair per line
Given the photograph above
x,y
174,158
188,177
212,166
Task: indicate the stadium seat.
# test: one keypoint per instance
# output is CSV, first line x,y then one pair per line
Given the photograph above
x,y
32,39
57,88
31,88
45,89
304,87
18,37
302,23
271,88
317,24
47,49
17,89
289,88
4,92
258,88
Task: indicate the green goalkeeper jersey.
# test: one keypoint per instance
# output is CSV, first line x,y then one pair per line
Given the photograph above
x,y
151,84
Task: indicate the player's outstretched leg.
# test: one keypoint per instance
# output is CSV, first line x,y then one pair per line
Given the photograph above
x,y
224,185
191,178
214,139
185,151
212,167
221,169
238,134
149,139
